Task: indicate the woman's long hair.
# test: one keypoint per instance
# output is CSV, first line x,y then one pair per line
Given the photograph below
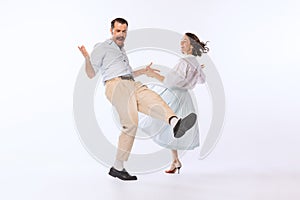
x,y
198,47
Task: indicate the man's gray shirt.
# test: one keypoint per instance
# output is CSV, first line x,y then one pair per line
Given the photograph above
x,y
110,60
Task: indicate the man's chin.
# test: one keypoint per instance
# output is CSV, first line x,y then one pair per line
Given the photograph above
x,y
120,44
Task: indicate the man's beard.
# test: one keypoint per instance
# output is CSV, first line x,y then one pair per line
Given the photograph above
x,y
120,39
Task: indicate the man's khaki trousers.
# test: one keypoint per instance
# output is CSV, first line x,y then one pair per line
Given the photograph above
x,y
129,98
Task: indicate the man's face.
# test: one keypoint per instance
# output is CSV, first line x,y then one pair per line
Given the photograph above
x,y
119,33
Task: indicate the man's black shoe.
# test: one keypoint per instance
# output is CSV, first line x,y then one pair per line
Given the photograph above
x,y
184,124
123,175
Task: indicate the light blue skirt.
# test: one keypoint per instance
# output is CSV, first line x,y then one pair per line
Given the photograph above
x,y
181,103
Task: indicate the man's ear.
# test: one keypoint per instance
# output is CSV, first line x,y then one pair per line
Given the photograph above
x,y
111,30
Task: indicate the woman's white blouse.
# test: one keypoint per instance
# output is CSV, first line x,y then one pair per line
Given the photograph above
x,y
186,73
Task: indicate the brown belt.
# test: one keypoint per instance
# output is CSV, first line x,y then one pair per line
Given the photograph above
x,y
126,77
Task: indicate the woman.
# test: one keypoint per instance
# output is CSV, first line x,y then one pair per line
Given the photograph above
x,y
183,77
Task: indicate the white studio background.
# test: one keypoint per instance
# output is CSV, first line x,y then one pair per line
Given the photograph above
x,y
254,44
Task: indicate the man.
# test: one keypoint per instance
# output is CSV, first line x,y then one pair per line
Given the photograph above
x,y
126,95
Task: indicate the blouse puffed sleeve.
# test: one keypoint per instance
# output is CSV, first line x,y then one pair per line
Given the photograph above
x,y
176,77
201,77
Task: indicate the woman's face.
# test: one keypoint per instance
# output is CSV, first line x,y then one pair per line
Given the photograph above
x,y
186,47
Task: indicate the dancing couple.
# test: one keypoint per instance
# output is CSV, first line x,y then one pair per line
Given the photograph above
x,y
130,97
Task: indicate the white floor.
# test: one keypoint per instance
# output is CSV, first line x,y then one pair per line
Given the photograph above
x,y
92,182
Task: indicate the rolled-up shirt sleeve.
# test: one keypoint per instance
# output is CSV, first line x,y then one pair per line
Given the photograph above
x,y
97,56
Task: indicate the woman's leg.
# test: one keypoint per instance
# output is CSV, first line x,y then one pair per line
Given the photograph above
x,y
174,155
176,164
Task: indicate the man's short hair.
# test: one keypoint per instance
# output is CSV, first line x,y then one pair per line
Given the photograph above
x,y
120,20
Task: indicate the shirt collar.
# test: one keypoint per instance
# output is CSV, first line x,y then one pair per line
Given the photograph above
x,y
189,56
111,42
